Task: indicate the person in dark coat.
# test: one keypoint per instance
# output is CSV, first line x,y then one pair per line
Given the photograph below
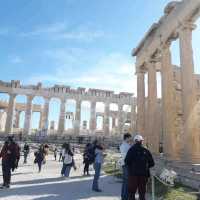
x,y
39,157
87,158
26,151
139,161
10,155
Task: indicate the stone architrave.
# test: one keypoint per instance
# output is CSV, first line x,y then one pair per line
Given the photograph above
x,y
45,114
191,137
106,127
77,120
93,117
168,106
152,136
61,123
10,114
140,102
28,115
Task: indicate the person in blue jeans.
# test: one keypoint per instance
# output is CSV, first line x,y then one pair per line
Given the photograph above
x,y
68,161
98,151
124,147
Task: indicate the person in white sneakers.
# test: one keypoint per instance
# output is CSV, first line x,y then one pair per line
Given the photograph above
x,y
124,147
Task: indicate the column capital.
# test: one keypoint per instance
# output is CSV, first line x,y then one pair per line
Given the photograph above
x,y
30,97
187,25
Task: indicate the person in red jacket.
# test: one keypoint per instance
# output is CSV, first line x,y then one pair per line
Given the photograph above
x,y
10,155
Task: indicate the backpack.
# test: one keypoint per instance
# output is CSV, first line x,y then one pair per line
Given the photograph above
x,y
68,159
140,164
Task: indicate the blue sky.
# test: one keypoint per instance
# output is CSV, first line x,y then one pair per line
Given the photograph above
x,y
85,43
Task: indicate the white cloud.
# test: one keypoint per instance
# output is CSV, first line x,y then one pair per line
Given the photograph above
x,y
61,31
112,72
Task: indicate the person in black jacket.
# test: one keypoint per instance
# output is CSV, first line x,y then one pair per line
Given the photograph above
x,y
139,160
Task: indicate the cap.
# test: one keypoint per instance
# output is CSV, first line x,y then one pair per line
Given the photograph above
x,y
138,138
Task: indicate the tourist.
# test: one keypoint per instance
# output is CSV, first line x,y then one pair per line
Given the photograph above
x,y
62,152
124,147
26,152
98,161
10,155
55,151
139,160
87,158
68,161
40,157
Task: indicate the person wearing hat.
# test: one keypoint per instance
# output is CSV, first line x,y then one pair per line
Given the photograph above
x,y
139,161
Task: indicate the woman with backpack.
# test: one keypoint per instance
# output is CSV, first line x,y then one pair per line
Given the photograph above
x,y
68,161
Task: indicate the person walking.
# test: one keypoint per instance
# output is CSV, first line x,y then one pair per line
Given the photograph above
x,y
139,161
124,147
40,157
98,161
87,159
55,151
10,155
68,161
26,152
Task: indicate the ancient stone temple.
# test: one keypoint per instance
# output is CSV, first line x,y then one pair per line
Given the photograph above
x,y
172,120
122,120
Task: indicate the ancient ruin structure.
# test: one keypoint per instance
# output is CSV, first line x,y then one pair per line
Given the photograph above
x,y
179,129
119,117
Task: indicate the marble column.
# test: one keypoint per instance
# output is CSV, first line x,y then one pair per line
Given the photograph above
x,y
191,138
133,117
28,116
120,119
93,117
77,120
17,118
168,105
106,119
152,135
45,114
140,102
61,123
10,114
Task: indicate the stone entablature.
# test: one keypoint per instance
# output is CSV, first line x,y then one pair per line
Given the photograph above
x,y
179,119
61,91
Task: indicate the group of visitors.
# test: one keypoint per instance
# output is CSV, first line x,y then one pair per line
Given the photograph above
x,y
136,164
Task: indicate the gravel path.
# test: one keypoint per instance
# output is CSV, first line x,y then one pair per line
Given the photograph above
x,y
28,184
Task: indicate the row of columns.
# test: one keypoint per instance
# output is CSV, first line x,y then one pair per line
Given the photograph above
x,y
61,125
168,105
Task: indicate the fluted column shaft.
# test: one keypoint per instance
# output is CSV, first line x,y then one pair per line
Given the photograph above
x,y
191,145
10,114
93,117
120,118
77,118
61,123
28,116
168,105
152,136
17,118
106,119
45,114
140,102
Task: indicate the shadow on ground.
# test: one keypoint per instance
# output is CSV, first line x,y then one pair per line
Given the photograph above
x,y
57,189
